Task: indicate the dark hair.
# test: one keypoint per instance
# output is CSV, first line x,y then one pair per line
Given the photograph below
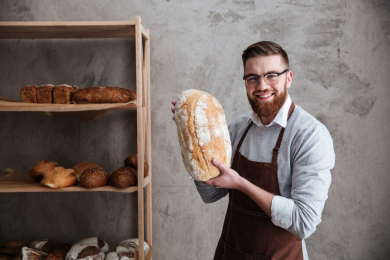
x,y
264,48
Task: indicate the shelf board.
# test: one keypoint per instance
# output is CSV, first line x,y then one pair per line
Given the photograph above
x,y
22,182
67,30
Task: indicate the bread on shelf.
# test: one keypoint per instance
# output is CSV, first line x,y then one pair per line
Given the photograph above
x,y
93,178
87,248
132,160
45,93
104,95
123,177
126,250
39,169
59,177
81,167
62,94
28,94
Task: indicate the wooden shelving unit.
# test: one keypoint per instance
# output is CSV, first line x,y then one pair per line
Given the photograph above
x,y
19,182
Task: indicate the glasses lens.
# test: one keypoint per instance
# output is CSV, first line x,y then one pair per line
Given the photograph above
x,y
252,81
271,79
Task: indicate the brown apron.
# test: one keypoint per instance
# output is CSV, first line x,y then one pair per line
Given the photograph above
x,y
248,233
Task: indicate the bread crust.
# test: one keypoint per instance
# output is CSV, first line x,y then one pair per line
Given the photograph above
x,y
62,94
81,167
29,94
45,93
203,133
132,160
123,177
104,95
93,178
39,169
59,177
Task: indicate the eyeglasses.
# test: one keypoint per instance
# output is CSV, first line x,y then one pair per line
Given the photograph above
x,y
271,78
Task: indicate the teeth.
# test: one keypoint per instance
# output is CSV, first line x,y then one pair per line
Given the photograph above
x,y
265,96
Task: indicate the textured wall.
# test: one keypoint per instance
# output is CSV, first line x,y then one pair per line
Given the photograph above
x,y
339,53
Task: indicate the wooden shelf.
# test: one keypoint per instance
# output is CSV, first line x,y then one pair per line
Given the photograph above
x,y
22,182
32,107
63,30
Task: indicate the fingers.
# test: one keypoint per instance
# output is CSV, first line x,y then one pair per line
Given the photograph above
x,y
173,109
218,164
174,102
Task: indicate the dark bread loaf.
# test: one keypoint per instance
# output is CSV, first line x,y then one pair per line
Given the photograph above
x,y
14,243
38,170
83,249
62,94
104,95
45,93
93,178
9,250
31,254
132,160
81,167
59,253
29,94
6,257
123,177
44,245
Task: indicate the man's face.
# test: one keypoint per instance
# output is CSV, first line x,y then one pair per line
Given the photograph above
x,y
266,100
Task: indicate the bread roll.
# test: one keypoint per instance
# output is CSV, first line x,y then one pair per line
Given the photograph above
x,y
81,167
62,94
77,249
126,250
59,177
6,257
59,253
9,250
104,95
29,94
93,178
44,245
39,169
14,243
132,160
45,93
203,133
32,254
123,177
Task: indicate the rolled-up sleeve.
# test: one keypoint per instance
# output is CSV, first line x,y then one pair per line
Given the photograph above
x,y
312,158
209,193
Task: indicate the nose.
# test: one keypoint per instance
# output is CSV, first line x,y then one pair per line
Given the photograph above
x,y
262,85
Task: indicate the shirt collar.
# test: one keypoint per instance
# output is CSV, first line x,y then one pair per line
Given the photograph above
x,y
280,119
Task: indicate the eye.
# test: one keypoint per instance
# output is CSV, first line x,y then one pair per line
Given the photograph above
x,y
253,78
271,76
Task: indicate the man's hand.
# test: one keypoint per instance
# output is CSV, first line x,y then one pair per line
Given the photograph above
x,y
173,109
228,178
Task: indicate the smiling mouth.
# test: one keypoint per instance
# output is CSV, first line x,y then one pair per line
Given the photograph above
x,y
264,96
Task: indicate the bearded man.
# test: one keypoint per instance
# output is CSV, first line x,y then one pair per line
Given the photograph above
x,y
280,172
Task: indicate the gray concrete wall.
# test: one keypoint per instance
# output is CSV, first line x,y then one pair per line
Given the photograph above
x,y
339,52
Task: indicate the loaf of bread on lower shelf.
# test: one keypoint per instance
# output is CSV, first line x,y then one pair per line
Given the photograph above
x,y
39,169
126,250
30,254
89,248
104,95
59,177
93,178
45,93
132,160
29,94
44,245
62,94
59,252
123,177
81,167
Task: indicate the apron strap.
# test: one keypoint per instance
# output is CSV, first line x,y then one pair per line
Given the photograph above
x,y
235,159
277,146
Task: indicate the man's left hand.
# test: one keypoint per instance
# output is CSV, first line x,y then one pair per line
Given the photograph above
x,y
228,178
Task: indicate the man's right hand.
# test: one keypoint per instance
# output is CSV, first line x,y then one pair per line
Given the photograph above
x,y
173,109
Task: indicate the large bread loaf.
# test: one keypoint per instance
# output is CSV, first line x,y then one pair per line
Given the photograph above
x,y
203,133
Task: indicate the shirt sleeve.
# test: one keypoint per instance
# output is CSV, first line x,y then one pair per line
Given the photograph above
x,y
209,193
312,158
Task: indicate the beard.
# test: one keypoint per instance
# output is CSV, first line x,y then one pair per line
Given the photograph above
x,y
266,108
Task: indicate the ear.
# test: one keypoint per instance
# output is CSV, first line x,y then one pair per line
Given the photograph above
x,y
289,78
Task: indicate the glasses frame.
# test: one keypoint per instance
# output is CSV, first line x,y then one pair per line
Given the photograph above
x,y
245,77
